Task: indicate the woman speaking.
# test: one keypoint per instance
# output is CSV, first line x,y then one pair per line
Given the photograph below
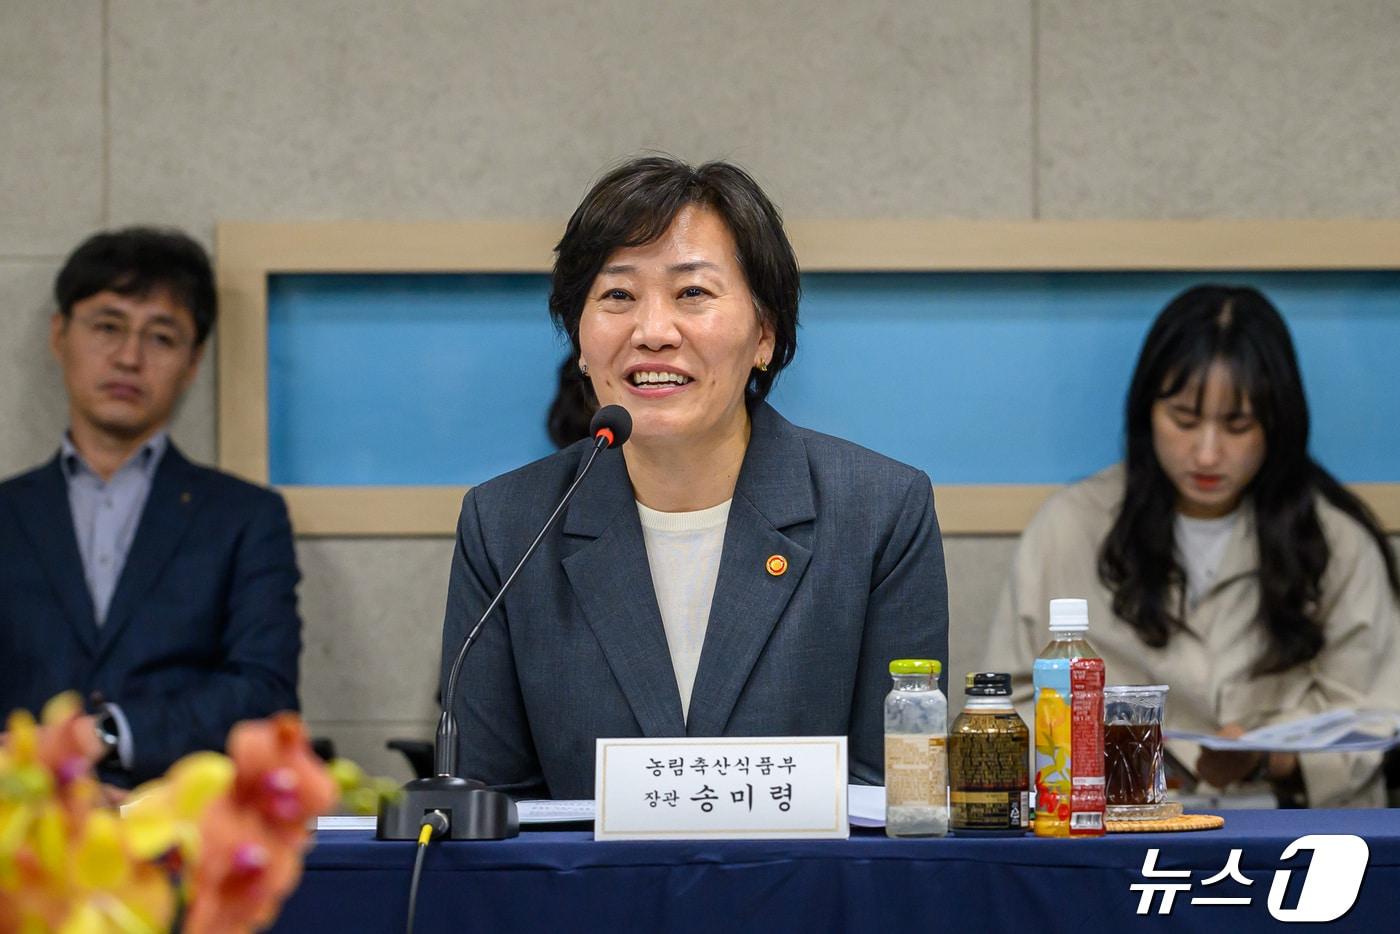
x,y
725,573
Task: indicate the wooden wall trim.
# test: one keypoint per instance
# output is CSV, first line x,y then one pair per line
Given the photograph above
x,y
1000,509
247,253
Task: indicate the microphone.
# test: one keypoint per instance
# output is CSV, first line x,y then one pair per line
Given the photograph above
x,y
473,811
612,422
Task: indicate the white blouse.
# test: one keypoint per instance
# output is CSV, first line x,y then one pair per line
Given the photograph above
x,y
683,549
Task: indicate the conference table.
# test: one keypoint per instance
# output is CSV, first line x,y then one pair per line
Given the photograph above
x,y
564,880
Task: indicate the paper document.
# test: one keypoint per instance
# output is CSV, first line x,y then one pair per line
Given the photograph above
x,y
865,805
346,822
555,812
866,808
531,812
1343,730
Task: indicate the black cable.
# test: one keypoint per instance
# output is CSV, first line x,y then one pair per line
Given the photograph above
x,y
434,825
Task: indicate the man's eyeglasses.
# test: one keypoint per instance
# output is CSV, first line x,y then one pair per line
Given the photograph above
x,y
109,335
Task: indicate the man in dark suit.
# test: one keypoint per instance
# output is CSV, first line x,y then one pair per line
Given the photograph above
x,y
162,591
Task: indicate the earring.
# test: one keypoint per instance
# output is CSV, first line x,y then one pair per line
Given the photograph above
x,y
763,366
582,367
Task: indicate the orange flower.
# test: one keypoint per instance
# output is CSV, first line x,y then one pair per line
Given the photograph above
x,y
231,829
252,841
278,774
246,869
68,744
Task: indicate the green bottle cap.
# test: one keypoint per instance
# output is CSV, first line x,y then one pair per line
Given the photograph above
x,y
916,666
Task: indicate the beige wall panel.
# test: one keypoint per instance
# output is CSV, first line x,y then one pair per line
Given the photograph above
x,y
51,112
320,109
51,108
372,613
33,408
195,425
1218,108
977,569
363,742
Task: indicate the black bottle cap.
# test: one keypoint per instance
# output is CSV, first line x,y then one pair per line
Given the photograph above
x,y
988,684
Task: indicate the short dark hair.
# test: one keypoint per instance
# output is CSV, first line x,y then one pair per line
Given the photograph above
x,y
138,261
636,202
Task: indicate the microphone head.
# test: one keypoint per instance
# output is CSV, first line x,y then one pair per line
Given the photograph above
x,y
613,423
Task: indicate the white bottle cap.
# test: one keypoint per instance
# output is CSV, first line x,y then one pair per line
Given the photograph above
x,y
1069,615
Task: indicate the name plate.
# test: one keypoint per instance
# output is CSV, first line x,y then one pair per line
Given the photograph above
x,y
735,788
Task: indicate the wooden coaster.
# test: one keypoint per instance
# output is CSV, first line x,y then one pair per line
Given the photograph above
x,y
1167,825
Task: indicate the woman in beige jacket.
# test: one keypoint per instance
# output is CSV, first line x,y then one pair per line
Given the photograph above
x,y
1220,558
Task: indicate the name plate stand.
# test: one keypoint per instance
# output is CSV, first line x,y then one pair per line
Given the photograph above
x,y
732,788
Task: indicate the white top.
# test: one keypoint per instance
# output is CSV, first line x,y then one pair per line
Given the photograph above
x,y
1200,546
683,549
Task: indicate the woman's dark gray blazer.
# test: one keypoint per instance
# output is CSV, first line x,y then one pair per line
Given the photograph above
x,y
577,650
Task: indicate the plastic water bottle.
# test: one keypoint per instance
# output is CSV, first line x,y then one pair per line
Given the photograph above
x,y
916,751
1069,763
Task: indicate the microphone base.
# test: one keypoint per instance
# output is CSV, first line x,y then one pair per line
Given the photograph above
x,y
474,812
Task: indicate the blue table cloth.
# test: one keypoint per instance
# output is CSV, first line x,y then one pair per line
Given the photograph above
x,y
565,881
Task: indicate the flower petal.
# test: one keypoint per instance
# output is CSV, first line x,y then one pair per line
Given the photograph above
x,y
101,861
51,838
61,708
22,742
198,779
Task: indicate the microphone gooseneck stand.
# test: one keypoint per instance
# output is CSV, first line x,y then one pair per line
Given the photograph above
x,y
473,811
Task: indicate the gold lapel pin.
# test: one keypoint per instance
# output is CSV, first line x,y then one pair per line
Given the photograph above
x,y
185,498
777,565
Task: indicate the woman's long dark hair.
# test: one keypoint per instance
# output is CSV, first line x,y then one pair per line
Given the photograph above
x,y
1240,328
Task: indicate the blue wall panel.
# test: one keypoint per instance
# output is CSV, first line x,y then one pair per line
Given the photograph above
x,y
399,379
976,378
